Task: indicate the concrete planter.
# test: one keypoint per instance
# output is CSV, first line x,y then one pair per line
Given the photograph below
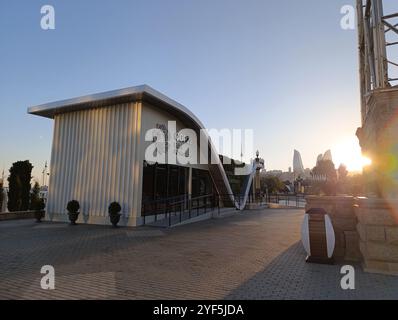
x,y
378,231
341,212
73,217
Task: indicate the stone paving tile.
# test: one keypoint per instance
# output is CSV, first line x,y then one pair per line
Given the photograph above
x,y
145,234
100,285
246,223
49,226
287,277
252,255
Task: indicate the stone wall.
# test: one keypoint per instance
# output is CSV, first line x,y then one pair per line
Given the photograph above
x,y
378,231
378,140
341,212
17,215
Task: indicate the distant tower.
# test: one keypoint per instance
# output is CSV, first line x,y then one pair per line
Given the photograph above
x,y
319,159
45,174
298,167
328,156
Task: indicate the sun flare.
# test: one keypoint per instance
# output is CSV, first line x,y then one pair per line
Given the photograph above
x,y
349,153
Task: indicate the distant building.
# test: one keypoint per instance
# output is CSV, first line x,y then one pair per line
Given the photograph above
x,y
319,159
292,175
43,193
275,173
327,156
298,167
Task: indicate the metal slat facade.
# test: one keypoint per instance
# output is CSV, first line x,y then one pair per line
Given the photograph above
x,y
96,160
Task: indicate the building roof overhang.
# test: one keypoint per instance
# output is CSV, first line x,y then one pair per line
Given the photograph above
x,y
109,98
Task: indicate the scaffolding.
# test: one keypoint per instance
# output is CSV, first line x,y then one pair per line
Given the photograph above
x,y
378,38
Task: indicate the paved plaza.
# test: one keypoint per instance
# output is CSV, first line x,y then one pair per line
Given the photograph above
x,y
251,255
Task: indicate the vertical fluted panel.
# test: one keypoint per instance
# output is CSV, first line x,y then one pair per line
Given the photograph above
x,y
96,160
137,163
54,156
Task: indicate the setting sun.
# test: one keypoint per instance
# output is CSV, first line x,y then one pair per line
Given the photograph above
x,y
349,153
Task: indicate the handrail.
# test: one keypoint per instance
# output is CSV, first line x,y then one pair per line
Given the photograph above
x,y
178,206
246,189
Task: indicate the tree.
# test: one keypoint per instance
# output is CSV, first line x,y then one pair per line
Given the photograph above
x,y
342,172
272,184
356,185
19,186
343,183
325,168
34,196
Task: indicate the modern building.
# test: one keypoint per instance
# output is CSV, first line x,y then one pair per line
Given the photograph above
x,y
43,193
327,156
98,155
319,159
298,167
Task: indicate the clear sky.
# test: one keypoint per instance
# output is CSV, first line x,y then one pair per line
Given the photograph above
x,y
283,68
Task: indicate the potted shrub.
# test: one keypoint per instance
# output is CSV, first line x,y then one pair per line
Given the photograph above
x,y
39,209
73,211
114,213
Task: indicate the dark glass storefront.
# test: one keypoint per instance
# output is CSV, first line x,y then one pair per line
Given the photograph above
x,y
165,184
201,183
162,181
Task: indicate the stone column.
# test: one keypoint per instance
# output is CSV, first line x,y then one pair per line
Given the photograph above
x,y
378,140
378,231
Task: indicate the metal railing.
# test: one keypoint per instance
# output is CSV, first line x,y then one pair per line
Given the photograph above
x,y
377,36
242,199
296,200
390,23
174,210
289,200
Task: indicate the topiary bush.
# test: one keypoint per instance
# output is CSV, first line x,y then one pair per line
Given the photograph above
x,y
114,213
73,211
73,206
38,207
114,208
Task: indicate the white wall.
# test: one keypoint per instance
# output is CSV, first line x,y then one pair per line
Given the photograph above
x,y
96,160
151,116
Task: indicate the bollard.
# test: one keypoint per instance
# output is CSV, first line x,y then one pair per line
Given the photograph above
x,y
318,236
